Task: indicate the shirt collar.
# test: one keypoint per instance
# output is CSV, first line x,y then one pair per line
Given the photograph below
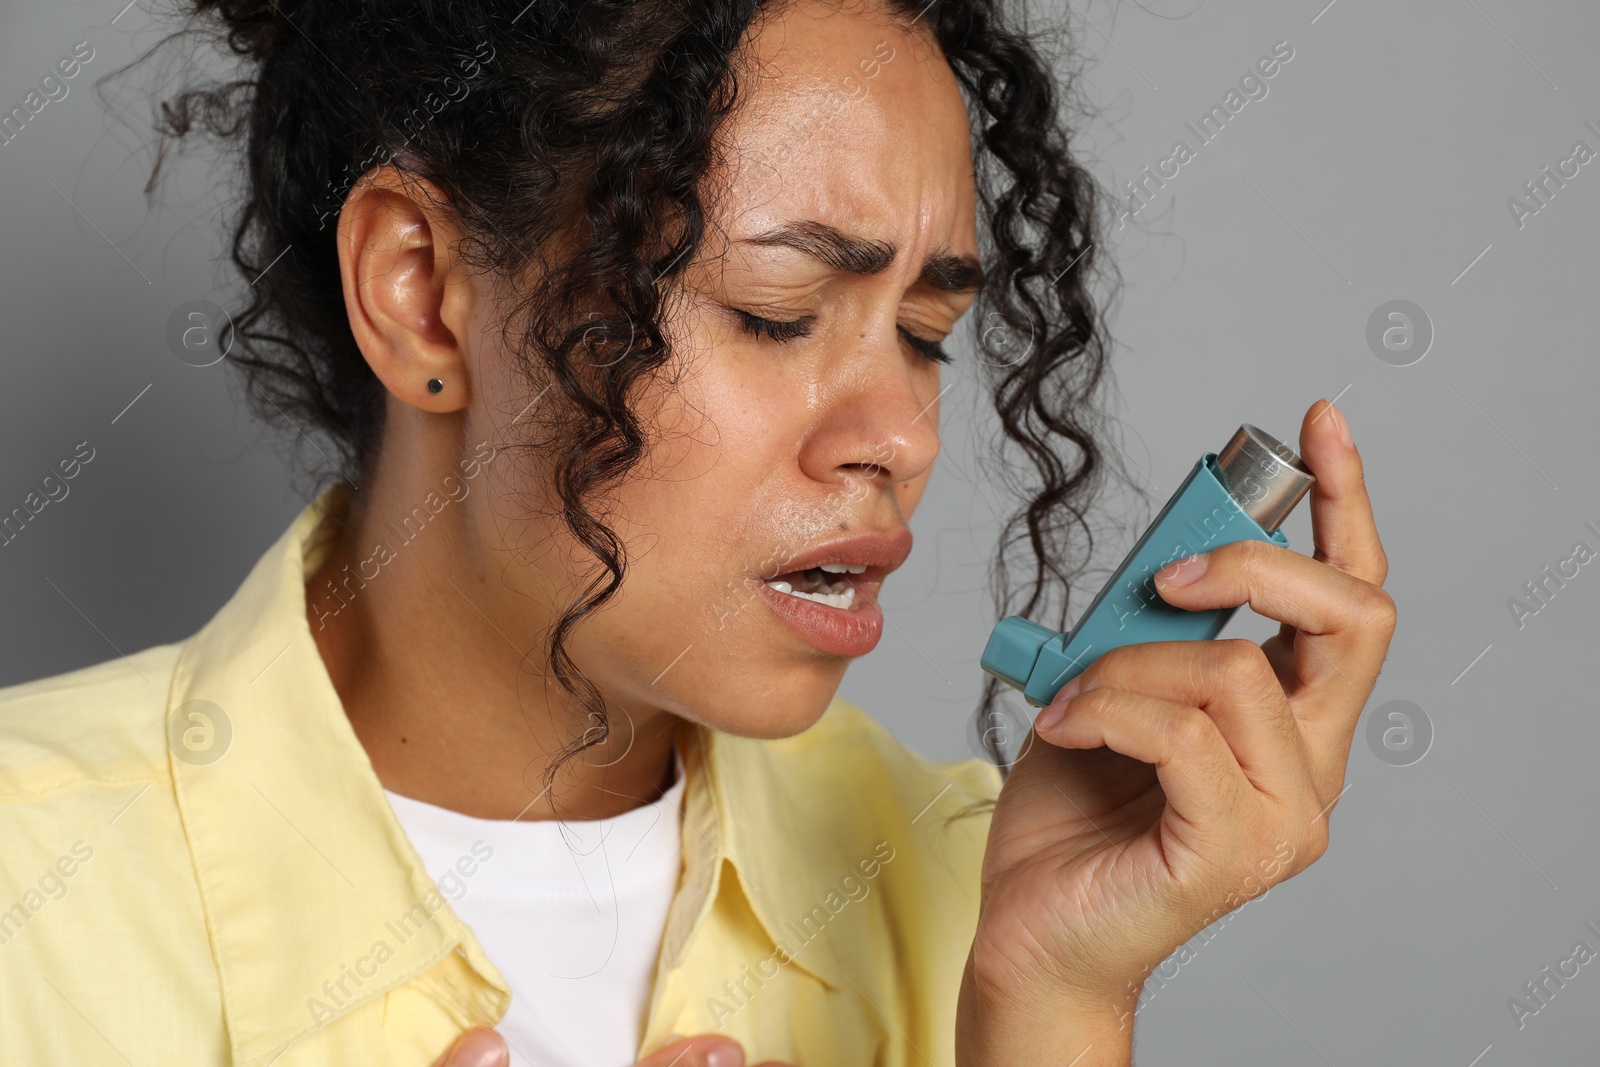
x,y
303,867
749,817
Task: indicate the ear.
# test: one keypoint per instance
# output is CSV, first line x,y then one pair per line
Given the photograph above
x,y
408,296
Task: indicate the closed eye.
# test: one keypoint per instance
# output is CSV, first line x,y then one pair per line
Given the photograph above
x,y
778,330
788,330
931,349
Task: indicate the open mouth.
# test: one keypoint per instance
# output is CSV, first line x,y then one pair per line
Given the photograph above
x,y
827,584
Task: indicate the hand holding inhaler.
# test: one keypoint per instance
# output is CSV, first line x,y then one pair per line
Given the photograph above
x,y
1242,493
1172,777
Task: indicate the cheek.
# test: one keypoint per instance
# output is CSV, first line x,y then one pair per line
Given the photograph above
x,y
684,488
689,631
911,493
699,510
713,499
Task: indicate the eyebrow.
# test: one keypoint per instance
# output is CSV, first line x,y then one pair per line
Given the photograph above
x,y
943,270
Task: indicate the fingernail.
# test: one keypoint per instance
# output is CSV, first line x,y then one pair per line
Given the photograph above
x,y
1056,710
1344,426
1182,572
729,1055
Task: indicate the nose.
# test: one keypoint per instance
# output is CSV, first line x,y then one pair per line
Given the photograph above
x,y
880,421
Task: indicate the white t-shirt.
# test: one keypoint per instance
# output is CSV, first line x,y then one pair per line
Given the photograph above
x,y
570,912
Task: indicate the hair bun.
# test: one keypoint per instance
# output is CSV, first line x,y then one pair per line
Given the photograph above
x,y
254,26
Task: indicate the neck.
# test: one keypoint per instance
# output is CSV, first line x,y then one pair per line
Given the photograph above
x,y
423,616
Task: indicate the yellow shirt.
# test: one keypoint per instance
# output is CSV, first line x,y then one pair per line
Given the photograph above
x,y
199,866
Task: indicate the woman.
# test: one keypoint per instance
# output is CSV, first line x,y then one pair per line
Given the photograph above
x,y
625,320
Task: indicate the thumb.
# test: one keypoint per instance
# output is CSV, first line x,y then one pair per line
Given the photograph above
x,y
476,1048
705,1050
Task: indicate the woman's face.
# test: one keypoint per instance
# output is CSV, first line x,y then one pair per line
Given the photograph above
x,y
847,221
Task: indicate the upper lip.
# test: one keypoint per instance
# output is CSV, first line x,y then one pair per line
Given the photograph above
x,y
880,551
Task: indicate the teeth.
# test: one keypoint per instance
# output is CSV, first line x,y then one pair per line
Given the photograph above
x,y
843,599
841,568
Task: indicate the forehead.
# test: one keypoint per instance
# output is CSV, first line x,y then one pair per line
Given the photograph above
x,y
848,117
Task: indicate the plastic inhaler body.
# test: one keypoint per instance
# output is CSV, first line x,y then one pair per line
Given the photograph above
x,y
1242,493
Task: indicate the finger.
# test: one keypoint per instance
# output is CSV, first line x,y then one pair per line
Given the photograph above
x,y
704,1050
1204,784
1232,683
1343,529
476,1048
1276,582
1345,621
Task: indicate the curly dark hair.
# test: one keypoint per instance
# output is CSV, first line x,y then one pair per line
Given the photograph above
x,y
592,129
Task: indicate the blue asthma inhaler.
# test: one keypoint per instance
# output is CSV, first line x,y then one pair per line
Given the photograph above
x,y
1242,493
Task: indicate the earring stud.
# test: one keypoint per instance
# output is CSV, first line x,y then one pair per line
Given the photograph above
x,y
435,385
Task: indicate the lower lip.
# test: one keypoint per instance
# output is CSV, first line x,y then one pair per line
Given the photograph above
x,y
853,632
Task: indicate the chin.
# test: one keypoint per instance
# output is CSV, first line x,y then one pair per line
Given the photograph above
x,y
763,702
751,658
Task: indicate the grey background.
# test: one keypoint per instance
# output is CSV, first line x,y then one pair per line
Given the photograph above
x,y
1378,167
